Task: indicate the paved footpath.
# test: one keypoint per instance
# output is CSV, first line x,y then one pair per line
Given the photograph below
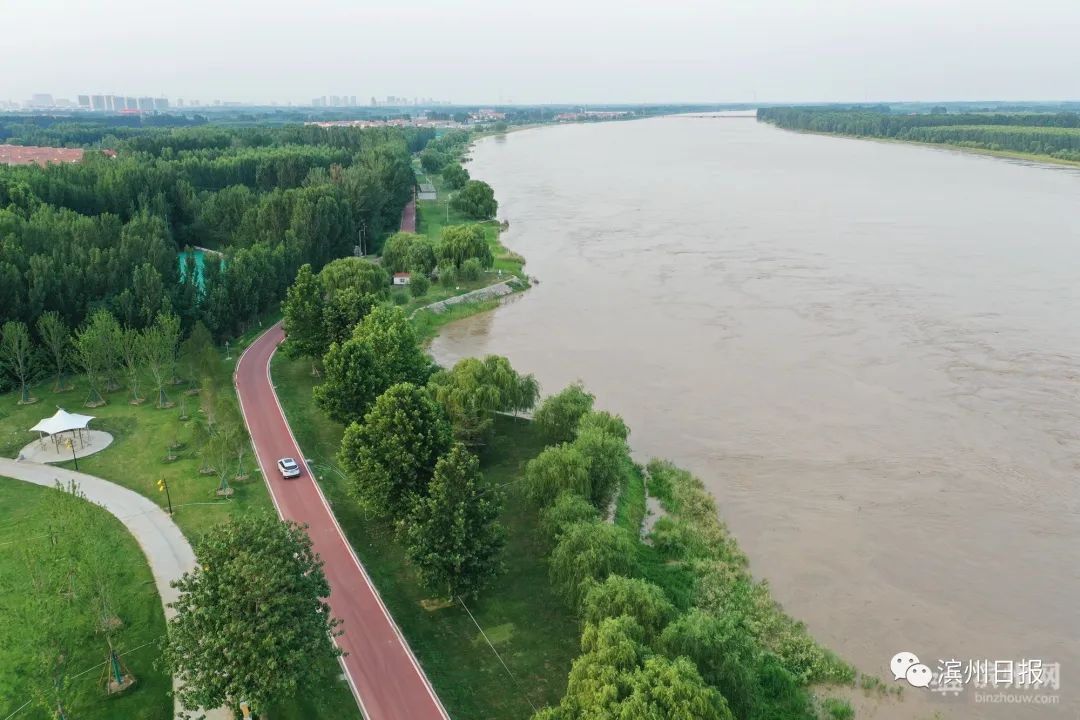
x,y
167,550
383,672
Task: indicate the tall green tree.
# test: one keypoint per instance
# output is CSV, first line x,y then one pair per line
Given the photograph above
x,y
397,252
558,416
342,312
251,620
160,346
476,200
617,676
724,650
473,390
303,316
461,243
16,354
452,534
382,351
557,469
607,458
586,553
95,352
390,457
56,337
199,358
455,176
362,275
132,355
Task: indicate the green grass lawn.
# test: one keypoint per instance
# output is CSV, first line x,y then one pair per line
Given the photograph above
x,y
136,460
23,522
532,630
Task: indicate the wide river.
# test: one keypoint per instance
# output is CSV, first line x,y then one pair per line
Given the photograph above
x,y
869,352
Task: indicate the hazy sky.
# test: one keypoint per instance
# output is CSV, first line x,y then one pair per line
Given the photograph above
x,y
544,50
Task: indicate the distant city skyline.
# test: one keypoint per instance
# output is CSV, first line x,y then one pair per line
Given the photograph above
x,y
99,102
560,51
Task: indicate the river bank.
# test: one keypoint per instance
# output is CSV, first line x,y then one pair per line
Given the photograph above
x,y
968,150
842,346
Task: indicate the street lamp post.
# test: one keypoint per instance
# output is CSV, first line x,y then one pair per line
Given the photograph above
x,y
163,486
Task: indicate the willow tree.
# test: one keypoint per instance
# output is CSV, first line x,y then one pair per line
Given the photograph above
x,y
16,353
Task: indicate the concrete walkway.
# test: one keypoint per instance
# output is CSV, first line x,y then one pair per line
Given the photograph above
x,y
167,550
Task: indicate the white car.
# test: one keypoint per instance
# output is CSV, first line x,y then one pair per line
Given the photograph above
x,y
288,468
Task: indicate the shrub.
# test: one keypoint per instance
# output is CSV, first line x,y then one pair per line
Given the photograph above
x,y
448,275
471,270
418,286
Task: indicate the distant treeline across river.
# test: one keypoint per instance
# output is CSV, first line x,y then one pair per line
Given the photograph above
x,y
1054,135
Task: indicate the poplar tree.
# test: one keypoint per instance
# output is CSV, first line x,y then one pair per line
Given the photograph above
x,y
16,353
56,337
453,535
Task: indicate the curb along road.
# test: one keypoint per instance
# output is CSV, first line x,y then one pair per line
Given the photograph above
x,y
381,669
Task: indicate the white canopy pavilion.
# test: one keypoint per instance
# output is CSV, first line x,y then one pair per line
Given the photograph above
x,y
62,422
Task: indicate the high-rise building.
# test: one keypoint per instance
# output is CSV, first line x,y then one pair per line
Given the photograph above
x,y
84,102
41,100
97,102
352,100
319,101
146,104
161,104
131,103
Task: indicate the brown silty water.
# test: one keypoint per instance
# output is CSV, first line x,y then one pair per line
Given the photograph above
x,y
868,351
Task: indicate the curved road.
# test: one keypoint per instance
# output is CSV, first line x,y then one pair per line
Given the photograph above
x,y
384,674
167,551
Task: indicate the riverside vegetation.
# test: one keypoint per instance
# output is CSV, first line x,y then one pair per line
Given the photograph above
x,y
1046,136
96,309
671,624
485,533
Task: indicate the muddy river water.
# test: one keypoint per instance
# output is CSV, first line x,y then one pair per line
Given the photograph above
x,y
869,352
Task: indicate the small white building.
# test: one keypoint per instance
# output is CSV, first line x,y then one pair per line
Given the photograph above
x,y
402,278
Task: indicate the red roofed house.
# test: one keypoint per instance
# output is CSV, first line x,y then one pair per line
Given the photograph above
x,y
29,154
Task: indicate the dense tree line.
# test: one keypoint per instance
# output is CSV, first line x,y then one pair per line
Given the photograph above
x,y
411,428
105,232
1053,134
674,629
68,131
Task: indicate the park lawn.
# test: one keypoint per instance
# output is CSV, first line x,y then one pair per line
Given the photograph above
x,y
23,520
533,631
136,458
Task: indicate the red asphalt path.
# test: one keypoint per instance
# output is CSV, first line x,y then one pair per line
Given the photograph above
x,y
383,672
